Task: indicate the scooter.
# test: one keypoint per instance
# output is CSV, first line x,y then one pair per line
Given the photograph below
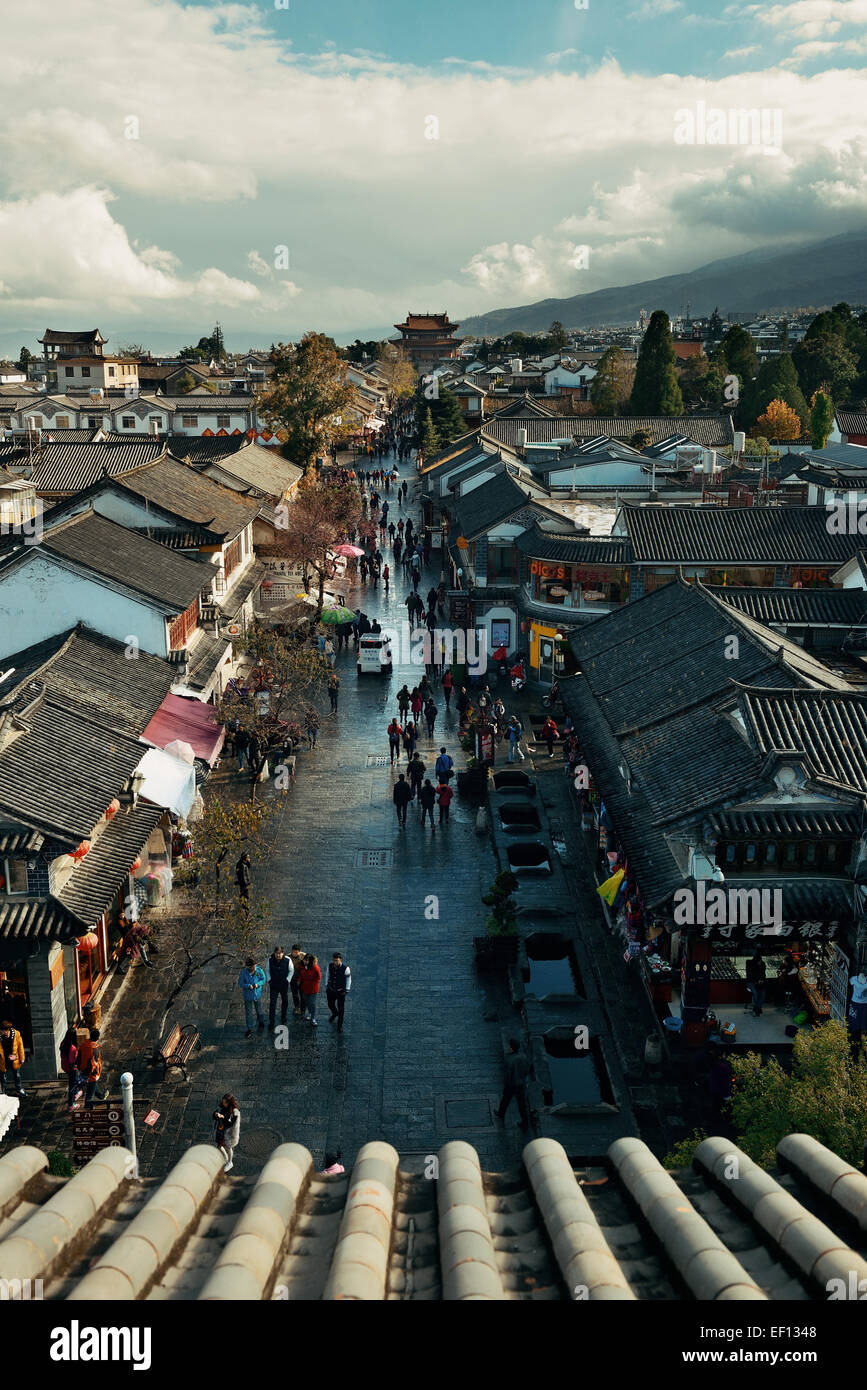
x,y
518,676
553,696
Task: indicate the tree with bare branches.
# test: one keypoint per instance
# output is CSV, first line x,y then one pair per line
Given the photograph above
x,y
317,518
285,678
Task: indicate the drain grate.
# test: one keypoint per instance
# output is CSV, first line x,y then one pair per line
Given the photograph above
x,y
376,760
373,858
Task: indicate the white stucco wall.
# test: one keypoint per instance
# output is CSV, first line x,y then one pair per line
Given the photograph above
x,y
39,599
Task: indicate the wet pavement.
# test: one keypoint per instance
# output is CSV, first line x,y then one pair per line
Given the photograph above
x,y
420,1059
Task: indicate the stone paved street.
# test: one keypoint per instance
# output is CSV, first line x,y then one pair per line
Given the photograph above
x,y
420,1058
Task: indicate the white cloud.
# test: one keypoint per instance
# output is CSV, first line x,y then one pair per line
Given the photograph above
x,y
327,152
654,9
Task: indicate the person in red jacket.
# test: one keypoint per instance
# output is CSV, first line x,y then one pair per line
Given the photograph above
x,y
549,733
394,737
444,800
311,978
448,685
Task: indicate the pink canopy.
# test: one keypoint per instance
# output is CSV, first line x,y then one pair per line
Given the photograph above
x,y
190,720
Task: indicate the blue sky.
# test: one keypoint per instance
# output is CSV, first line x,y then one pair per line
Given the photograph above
x,y
336,163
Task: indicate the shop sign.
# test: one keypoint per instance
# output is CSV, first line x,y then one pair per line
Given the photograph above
x,y
151,1117
486,747
548,571
802,931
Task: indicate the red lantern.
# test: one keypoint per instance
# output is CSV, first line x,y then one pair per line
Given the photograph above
x,y
90,942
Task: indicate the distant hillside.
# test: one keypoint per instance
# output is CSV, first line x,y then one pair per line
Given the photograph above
x,y
821,273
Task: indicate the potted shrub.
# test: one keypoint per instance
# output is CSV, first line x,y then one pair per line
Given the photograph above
x,y
473,779
499,946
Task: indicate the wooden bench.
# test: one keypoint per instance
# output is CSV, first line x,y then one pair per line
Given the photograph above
x,y
177,1048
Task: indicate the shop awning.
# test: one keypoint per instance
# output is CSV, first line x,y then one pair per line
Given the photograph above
x,y
167,781
190,720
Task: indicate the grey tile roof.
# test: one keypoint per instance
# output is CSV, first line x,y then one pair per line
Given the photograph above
x,y
734,535
601,1225
712,431
43,919
264,469
67,468
60,776
91,673
812,607
786,820
241,590
128,559
195,448
94,883
576,550
830,727
647,705
206,655
851,421
186,493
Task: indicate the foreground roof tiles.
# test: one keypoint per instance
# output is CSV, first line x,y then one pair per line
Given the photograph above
x,y
616,1228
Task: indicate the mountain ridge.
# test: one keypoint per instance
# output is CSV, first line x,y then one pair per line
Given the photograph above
x,y
814,274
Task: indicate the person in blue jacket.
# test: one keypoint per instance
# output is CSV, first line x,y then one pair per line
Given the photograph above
x,y
252,982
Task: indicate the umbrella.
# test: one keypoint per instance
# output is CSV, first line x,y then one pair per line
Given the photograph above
x,y
337,615
349,550
179,749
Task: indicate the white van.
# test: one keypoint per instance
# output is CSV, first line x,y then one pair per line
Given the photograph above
x,y
374,654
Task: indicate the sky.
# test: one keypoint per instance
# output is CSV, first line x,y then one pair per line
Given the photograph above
x,y
331,164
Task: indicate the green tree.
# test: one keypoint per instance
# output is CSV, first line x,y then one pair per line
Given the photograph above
x,y
821,418
715,326
739,351
776,379
428,440
557,336
307,397
610,387
825,362
448,416
641,439
655,390
825,1096
185,383
25,357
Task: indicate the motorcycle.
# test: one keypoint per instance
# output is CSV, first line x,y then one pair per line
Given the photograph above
x,y
518,676
553,696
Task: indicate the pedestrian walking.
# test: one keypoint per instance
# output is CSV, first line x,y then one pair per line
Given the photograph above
x,y
409,602
90,1061
448,685
251,982
395,733
337,985
443,766
416,702
385,576
515,1088
333,690
549,734
280,972
11,1057
462,702
401,796
243,876
227,1129
242,743
416,580
444,800
403,699
416,771
134,944
69,1056
333,1164
427,795
514,733
296,957
430,714
311,978
312,727
756,981
410,736
329,651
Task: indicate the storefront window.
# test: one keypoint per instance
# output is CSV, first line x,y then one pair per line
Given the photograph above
x,y
750,853
771,852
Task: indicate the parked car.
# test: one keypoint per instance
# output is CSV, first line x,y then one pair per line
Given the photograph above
x,y
374,654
